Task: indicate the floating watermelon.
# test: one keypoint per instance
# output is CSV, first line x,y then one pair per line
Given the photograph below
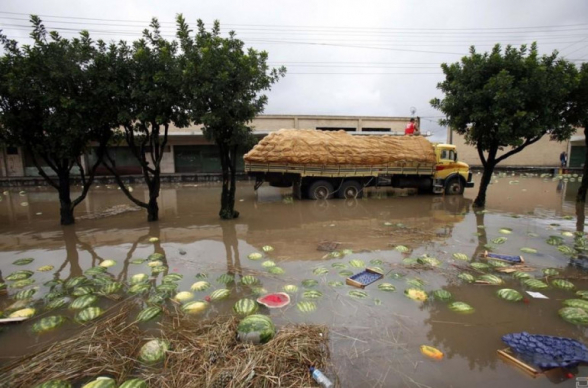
x,y
290,288
461,307
416,294
200,286
194,307
534,283
54,384
550,272
443,295
88,314
402,249
306,306
466,277
386,287
268,263
256,329
490,279
184,296
24,313
134,383
107,263
245,307
273,301
579,303
19,275
148,313
249,280
153,351
431,352
574,315
563,284
48,323
461,256
509,294
219,294
312,294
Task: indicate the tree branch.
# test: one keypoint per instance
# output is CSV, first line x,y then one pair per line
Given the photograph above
x,y
41,172
87,185
482,157
120,182
518,149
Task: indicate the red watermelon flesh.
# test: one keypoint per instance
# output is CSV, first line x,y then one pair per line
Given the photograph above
x,y
274,301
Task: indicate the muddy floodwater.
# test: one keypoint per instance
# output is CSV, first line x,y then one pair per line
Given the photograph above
x,y
375,338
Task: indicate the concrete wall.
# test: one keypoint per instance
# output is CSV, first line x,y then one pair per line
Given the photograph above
x,y
544,153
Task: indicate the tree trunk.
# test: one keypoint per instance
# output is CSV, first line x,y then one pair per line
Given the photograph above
x,y
227,211
486,178
152,206
66,209
581,197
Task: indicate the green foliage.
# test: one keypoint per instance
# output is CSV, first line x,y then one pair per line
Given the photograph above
x,y
506,98
225,84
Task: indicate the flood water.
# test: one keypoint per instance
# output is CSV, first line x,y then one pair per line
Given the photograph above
x,y
375,341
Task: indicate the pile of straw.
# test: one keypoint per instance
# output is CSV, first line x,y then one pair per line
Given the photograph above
x,y
204,353
312,147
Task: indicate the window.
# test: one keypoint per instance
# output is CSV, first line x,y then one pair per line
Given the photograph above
x,y
346,129
448,154
376,129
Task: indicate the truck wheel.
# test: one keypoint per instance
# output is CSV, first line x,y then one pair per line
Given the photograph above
x,y
350,189
320,190
454,186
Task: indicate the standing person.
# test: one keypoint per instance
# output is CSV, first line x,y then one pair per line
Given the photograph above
x,y
410,128
563,158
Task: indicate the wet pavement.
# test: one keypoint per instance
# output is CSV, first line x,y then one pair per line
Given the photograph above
x,y
375,340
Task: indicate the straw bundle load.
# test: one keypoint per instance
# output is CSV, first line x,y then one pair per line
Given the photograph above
x,y
313,147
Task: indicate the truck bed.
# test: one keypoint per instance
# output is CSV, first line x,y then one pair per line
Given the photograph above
x,y
341,171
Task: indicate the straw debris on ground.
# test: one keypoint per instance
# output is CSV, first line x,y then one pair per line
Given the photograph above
x,y
203,353
312,147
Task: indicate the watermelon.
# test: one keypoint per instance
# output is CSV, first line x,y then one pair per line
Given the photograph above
x,y
111,288
306,306
219,294
167,288
528,250
89,314
156,299
345,273
466,277
386,287
83,302
256,329
245,307
308,283
153,240
75,282
430,261
153,351
155,256
268,263
134,383
276,270
25,294
194,307
101,382
498,264
48,323
22,283
534,283
574,315
148,313
139,288
184,296
255,256
158,269
509,294
550,272
505,230
339,265
81,291
137,261
357,263
461,256
563,284
312,294
357,294
480,266
376,262
346,252
566,250
258,291
54,384
461,307
290,288
23,313
19,275
200,286
53,283
249,280
107,263
273,301
155,263
23,261
225,278
172,277
499,240
554,240
583,294
579,303
402,249
57,303
416,294
139,278
521,275
443,295
415,282
335,283
320,271
95,271
267,248
490,279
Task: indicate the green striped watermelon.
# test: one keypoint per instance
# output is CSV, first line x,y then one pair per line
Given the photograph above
x,y
466,277
339,265
134,383
312,294
219,294
22,283
195,307
267,248
308,283
509,294
480,266
245,307
148,313
23,261
167,288
225,278
57,303
358,294
256,329
461,256
386,287
153,351
155,256
48,323
139,288
550,272
357,263
101,382
89,314
95,271
111,288
25,294
268,263
574,315
443,295
461,307
276,270
335,283
200,286
83,302
535,283
378,269
75,282
54,384
81,291
19,275
490,279
249,280
290,288
579,303
139,278
306,306
582,294
159,269
402,249
172,277
521,275
563,284
320,271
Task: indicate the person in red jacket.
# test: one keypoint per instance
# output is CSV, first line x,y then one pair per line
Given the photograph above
x,y
411,128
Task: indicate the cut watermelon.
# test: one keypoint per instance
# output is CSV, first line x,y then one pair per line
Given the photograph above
x,y
274,301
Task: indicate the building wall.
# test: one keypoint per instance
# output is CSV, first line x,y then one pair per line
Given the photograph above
x,y
544,153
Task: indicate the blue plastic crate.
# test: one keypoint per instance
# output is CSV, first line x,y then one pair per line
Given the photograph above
x,y
364,278
545,351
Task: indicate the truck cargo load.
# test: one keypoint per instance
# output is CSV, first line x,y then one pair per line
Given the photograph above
x,y
312,147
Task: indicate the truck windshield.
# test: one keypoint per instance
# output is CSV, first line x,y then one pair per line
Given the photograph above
x,y
448,154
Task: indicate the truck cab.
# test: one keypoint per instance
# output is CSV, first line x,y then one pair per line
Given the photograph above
x,y
450,175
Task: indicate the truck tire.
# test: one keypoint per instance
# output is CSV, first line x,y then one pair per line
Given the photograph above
x,y
454,186
320,190
350,190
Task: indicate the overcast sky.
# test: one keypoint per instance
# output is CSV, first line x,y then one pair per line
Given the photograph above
x,y
343,57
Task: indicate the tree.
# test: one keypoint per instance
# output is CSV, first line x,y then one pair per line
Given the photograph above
x,y
506,99
580,111
224,82
151,99
53,102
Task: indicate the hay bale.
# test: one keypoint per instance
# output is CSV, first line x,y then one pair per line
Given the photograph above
x,y
313,147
